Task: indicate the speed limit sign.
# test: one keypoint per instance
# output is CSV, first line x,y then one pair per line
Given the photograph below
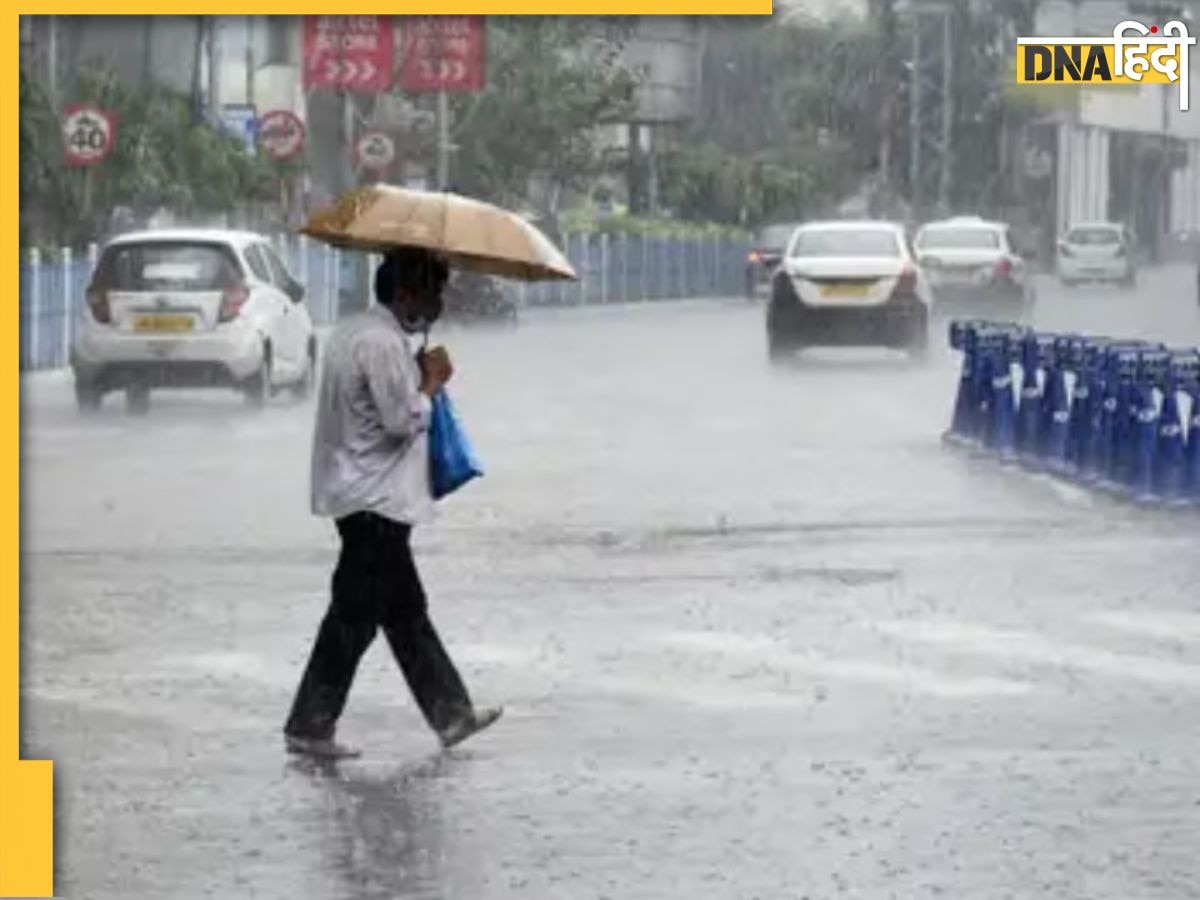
x,y
375,150
89,134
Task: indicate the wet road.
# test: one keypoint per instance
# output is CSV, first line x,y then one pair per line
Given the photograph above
x,y
758,636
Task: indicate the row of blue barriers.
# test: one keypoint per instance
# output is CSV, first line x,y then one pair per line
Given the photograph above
x,y
1121,415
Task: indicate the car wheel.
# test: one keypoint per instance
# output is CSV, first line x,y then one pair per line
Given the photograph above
x,y
258,387
88,397
779,349
137,400
303,388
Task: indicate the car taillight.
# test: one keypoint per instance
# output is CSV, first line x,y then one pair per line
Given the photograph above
x,y
907,282
232,301
1004,268
97,301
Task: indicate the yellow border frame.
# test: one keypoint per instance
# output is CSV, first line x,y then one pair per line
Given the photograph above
x,y
27,786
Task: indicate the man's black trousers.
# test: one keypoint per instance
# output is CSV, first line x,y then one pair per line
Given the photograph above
x,y
376,585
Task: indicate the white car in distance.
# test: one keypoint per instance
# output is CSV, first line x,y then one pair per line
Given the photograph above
x,y
973,268
1096,251
188,309
848,283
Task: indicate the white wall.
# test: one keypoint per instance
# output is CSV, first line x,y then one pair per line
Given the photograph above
x,y
1082,174
1185,194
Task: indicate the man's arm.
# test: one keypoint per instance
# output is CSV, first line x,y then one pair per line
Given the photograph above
x,y
404,409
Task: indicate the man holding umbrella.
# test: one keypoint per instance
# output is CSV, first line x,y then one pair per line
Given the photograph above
x,y
370,473
371,463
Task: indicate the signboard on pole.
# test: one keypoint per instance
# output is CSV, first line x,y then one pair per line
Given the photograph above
x,y
443,53
89,134
348,53
241,120
375,150
281,134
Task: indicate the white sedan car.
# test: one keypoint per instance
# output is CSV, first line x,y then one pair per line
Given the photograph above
x,y
1096,251
848,283
188,309
972,267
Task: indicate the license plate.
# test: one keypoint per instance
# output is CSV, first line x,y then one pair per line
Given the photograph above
x,y
160,323
844,289
956,276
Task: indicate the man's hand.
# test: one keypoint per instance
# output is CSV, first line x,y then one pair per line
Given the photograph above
x,y
436,370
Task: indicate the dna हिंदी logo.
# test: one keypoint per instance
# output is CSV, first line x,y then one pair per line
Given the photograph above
x,y
1134,54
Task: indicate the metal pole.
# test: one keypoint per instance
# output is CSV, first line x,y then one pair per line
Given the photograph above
x,y
303,266
52,59
947,109
914,120
1164,177
327,283
249,60
443,157
624,266
348,138
604,268
712,270
35,304
214,67
68,305
583,264
337,280
645,268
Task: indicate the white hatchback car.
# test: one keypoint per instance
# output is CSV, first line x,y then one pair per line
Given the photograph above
x,y
848,283
192,308
1096,251
972,266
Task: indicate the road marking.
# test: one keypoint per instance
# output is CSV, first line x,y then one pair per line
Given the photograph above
x,y
978,640
774,655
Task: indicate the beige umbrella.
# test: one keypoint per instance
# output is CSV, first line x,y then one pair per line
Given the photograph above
x,y
469,233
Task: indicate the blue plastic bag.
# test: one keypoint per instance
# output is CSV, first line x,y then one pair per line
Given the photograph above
x,y
452,460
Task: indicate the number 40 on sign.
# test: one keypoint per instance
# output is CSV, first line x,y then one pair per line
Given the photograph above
x,y
89,134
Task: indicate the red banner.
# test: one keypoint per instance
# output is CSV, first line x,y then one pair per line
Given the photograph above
x,y
443,53
349,53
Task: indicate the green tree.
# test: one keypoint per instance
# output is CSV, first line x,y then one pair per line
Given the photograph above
x,y
163,157
788,122
551,82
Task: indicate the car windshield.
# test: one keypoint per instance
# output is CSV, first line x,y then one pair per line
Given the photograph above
x,y
1097,235
959,239
845,242
168,266
775,237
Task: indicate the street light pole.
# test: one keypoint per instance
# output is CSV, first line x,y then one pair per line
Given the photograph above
x,y
443,150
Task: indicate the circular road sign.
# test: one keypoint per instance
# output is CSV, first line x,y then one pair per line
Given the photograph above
x,y
281,134
375,150
89,134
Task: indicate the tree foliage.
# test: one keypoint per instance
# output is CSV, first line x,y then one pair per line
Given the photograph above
x,y
551,81
786,124
164,156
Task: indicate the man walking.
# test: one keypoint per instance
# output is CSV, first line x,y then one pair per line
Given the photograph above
x,y
370,473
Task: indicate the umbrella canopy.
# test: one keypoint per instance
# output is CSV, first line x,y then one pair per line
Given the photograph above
x,y
471,234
